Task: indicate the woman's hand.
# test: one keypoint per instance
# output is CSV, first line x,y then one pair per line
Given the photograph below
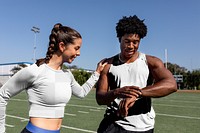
x,y
101,65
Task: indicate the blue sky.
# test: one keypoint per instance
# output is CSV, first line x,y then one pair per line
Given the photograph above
x,y
172,24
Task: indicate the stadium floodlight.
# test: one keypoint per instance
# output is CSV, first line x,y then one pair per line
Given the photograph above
x,y
35,30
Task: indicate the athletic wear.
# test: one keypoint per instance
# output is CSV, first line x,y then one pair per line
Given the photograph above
x,y
30,128
141,115
114,128
48,90
25,131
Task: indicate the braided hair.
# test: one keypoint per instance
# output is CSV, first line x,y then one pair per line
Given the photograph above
x,y
58,34
132,24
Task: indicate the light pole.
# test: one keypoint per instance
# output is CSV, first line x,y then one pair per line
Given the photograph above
x,y
35,30
166,56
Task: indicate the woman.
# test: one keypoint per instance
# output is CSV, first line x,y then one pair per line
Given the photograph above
x,y
48,87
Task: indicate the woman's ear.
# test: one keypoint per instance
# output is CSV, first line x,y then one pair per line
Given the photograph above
x,y
62,46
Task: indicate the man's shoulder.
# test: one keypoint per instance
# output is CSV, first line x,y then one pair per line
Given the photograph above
x,y
153,61
110,59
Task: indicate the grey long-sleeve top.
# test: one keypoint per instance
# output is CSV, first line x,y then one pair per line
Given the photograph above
x,y
48,91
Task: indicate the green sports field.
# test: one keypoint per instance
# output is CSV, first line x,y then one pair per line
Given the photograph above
x,y
176,113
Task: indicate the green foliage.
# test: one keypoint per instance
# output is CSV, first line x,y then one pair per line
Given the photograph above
x,y
176,69
191,80
64,67
80,75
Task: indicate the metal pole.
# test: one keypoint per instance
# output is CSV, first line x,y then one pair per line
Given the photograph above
x,y
34,48
35,30
166,58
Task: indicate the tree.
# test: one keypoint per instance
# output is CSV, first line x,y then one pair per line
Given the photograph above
x,y
176,69
81,75
195,76
191,79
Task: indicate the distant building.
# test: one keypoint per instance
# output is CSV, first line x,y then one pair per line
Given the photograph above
x,y
5,70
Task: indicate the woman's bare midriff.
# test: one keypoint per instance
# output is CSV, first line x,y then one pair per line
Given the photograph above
x,y
47,123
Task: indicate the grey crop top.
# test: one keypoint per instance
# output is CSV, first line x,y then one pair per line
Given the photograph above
x,y
48,90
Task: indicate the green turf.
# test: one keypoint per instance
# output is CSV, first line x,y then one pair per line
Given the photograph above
x,y
176,113
183,111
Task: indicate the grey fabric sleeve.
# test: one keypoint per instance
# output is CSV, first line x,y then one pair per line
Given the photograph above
x,y
12,87
2,115
82,91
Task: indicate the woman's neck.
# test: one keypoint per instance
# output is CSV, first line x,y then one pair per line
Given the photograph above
x,y
55,63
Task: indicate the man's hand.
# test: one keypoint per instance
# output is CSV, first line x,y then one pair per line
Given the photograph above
x,y
128,92
125,104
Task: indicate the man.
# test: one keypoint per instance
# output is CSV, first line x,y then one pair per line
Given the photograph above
x,y
129,81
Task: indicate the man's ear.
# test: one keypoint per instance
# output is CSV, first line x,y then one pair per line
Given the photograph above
x,y
61,46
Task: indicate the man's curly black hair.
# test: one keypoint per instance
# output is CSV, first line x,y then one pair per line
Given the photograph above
x,y
131,24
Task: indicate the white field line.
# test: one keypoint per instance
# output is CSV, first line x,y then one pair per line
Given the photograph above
x,y
103,108
178,116
24,120
84,112
176,101
9,125
78,129
91,107
95,110
70,114
88,99
17,117
176,106
20,100
63,126
89,131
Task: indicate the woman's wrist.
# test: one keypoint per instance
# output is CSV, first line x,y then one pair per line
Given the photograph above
x,y
96,73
